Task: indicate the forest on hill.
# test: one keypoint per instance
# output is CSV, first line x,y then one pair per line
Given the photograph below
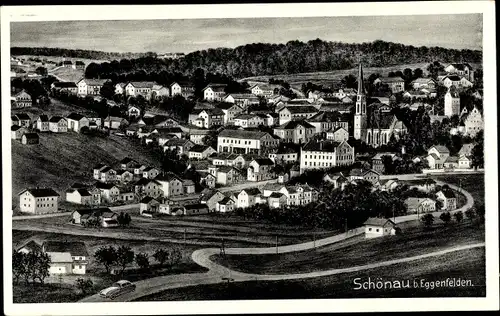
x,y
265,59
72,53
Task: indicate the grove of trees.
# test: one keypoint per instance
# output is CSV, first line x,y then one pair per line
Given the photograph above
x,y
32,266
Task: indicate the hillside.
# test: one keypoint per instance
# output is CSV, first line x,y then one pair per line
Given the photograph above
x,y
70,53
277,59
62,159
67,74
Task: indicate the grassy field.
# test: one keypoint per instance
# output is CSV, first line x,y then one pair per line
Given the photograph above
x,y
467,264
473,183
68,74
56,108
46,293
412,242
62,159
329,77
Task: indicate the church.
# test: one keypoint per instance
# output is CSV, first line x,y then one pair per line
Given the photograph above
x,y
374,124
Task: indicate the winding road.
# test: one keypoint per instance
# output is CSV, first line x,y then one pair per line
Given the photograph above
x,y
218,273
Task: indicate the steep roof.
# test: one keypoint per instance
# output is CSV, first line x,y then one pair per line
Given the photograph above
x,y
252,191
295,124
449,194
22,116
325,146
76,248
94,82
381,120
105,186
168,176
15,128
391,79
199,148
45,192
461,66
300,109
452,78
31,246
43,118
55,119
75,116
441,149
326,116
142,84
65,84
264,161
147,200
217,87
361,84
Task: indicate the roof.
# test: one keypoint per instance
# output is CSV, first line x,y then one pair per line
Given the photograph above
x,y
300,109
45,192
218,87
176,142
441,149
76,248
422,80
22,116
252,191
225,105
31,246
65,84
264,161
414,202
276,195
382,120
226,200
199,148
94,82
460,66
186,182
448,194
214,111
294,124
147,200
246,116
104,186
15,128
242,134
452,78
168,176
83,192
60,257
391,79
206,194
43,118
196,206
142,84
75,116
326,116
55,119
378,221
452,159
326,146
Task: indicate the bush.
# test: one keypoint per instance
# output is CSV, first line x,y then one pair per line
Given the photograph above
x,y
142,260
445,217
428,220
459,216
85,286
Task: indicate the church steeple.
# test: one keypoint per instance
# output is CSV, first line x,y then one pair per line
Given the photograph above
x,y
361,84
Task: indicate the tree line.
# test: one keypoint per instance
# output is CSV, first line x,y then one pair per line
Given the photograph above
x,y
71,53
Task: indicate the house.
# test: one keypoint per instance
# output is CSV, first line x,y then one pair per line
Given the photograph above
x,y
76,122
58,124
150,187
325,154
42,123
207,179
29,247
182,146
420,205
250,120
225,175
285,153
124,176
461,69
22,119
473,122
196,209
420,83
292,113
127,163
188,186
214,92
247,197
170,184
158,91
277,200
337,179
200,152
66,257
283,177
107,174
17,131
260,169
225,205
415,95
150,173
66,86
181,88
208,118
396,84
466,150
22,99
138,168
210,197
90,86
149,205
243,100
80,65
264,89
133,111
109,192
114,122
83,196
38,201
425,185
451,103
378,161
448,199
106,217
197,135
451,163
456,81
325,121
338,134
245,142
298,132
464,162
436,156
120,88
139,88
379,227
366,175
389,185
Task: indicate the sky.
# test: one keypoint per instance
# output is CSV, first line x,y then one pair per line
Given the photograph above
x,y
187,35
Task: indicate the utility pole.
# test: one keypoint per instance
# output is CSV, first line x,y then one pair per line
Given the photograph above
x,y
184,238
276,243
345,226
314,240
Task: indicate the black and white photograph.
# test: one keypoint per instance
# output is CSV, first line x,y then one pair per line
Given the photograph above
x,y
209,155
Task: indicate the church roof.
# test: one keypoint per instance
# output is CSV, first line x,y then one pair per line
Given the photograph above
x,y
382,120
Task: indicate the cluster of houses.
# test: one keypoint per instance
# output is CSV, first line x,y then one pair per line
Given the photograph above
x,y
438,157
66,257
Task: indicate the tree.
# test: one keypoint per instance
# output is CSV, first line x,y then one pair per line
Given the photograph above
x,y
124,219
124,256
142,260
107,90
37,266
445,217
85,286
106,256
18,265
459,216
470,214
428,220
175,256
42,71
161,256
349,81
480,210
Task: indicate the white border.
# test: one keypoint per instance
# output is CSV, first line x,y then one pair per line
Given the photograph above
x,y
58,13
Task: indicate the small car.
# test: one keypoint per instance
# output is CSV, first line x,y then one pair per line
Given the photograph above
x,y
118,288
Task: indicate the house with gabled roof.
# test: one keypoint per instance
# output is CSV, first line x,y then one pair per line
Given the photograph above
x,y
22,99
90,86
325,120
325,154
21,119
245,142
149,187
260,169
150,172
436,156
264,89
225,205
80,196
210,197
200,152
299,112
214,92
149,205
58,124
448,198
420,205
38,201
337,179
66,86
338,134
115,122
182,88
250,120
379,227
420,83
76,122
17,132
461,69
66,257
247,197
110,193
182,146
396,84
142,88
299,132
243,100
170,184
42,123
30,247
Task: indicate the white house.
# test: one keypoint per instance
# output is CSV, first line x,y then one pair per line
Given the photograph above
x,y
76,122
66,257
451,103
379,227
38,201
58,124
325,155
214,92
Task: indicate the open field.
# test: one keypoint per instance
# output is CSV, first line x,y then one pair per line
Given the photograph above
x,y
329,77
56,108
473,183
58,59
412,242
467,264
62,159
67,74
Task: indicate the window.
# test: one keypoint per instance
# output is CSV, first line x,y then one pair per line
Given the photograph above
x,y
377,230
370,229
